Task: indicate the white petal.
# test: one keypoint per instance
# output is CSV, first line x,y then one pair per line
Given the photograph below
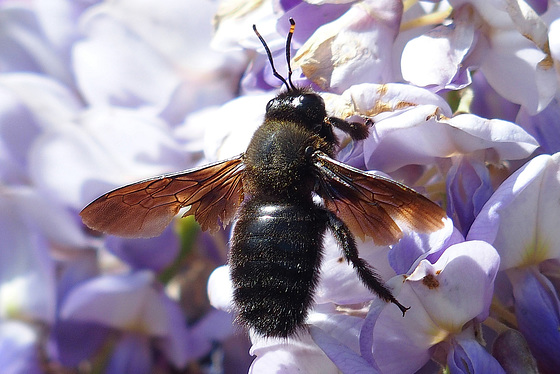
x,y
435,58
220,289
298,354
355,48
521,219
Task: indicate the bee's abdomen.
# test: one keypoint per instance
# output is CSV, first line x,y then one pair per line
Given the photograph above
x,y
275,257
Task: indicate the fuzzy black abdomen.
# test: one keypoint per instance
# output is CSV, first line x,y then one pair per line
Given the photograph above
x,y
274,262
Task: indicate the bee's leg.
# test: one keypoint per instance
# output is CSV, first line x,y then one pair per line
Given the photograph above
x,y
346,241
356,130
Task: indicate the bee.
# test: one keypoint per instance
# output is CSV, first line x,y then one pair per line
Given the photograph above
x,y
270,192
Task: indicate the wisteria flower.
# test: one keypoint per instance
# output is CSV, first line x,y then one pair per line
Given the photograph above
x,y
355,48
415,127
148,314
507,43
462,101
18,348
521,221
68,132
439,321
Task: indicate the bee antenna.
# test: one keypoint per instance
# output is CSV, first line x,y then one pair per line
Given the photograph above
x,y
288,44
270,58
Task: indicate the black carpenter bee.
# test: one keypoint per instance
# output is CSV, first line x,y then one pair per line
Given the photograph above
x,y
269,191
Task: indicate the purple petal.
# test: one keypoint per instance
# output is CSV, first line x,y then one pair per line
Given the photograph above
x,y
537,310
141,253
52,104
528,23
488,103
132,354
385,99
18,130
540,6
443,67
459,286
355,48
177,345
79,163
554,33
512,55
295,355
468,189
59,21
417,136
508,139
366,334
25,47
116,78
413,246
400,344
224,139
133,295
80,268
309,17
469,357
215,326
339,282
27,288
233,28
519,219
56,222
19,350
512,59
338,323
179,72
544,126
69,336
344,358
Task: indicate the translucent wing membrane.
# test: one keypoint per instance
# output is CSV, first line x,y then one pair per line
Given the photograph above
x,y
372,205
144,209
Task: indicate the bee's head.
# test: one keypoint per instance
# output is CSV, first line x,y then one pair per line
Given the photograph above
x,y
297,105
303,108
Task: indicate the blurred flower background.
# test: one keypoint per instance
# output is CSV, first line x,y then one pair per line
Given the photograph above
x,y
96,94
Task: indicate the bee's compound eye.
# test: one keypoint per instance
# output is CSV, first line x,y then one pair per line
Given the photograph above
x,y
309,101
269,105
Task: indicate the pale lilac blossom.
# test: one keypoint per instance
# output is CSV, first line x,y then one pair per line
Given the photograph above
x,y
65,138
521,221
134,304
439,311
544,126
443,321
156,60
355,48
297,354
413,126
507,43
96,94
27,287
18,348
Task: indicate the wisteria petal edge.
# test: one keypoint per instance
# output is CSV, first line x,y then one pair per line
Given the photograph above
x,y
461,97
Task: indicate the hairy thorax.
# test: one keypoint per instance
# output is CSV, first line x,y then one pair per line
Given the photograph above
x,y
277,162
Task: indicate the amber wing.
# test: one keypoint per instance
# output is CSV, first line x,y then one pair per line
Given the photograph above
x,y
144,209
372,205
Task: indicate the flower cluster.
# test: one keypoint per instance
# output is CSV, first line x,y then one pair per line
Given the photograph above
x,y
464,97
